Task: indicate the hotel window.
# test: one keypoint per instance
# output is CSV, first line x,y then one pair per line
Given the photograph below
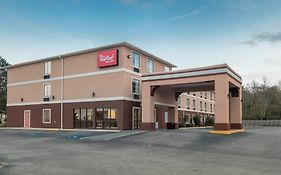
x,y
47,69
201,106
106,118
205,106
179,102
201,94
168,69
47,90
47,116
211,107
205,94
150,65
194,105
136,61
188,103
135,86
211,95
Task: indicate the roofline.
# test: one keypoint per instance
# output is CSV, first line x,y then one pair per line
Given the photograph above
x,y
218,66
93,50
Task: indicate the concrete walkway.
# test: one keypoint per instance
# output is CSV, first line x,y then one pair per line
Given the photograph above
x,y
111,136
57,129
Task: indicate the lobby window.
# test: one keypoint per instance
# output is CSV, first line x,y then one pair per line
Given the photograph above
x,y
47,69
47,92
106,118
194,105
136,61
188,103
201,106
150,65
135,86
47,116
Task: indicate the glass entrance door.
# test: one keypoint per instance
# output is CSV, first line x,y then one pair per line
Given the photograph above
x,y
136,118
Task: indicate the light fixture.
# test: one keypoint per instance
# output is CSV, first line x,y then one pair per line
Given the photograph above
x,y
21,99
128,56
93,94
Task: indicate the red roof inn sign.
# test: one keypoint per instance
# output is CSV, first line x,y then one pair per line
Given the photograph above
x,y
108,58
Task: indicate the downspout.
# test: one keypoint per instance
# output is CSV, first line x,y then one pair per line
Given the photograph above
x,y
61,92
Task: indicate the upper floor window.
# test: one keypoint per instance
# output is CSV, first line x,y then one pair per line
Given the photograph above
x,y
179,102
136,61
47,68
47,90
194,104
135,86
201,106
211,107
205,106
168,68
188,103
201,94
150,65
205,94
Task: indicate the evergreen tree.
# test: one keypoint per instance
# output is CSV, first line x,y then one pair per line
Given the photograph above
x,y
3,85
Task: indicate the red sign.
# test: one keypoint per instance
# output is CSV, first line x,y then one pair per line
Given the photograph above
x,y
108,58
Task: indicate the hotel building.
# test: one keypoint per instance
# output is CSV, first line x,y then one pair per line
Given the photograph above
x,y
106,88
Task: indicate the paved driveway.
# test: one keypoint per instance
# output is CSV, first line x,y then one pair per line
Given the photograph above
x,y
191,151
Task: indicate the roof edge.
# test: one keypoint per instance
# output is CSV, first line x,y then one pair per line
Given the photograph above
x,y
93,50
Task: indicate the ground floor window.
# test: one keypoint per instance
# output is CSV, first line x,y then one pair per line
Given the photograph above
x,y
83,118
106,118
47,116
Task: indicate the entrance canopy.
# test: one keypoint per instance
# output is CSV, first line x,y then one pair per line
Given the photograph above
x,y
164,88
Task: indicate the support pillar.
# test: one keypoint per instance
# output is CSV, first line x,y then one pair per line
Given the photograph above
x,y
148,122
236,109
222,103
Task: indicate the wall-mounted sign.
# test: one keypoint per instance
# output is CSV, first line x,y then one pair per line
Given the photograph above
x,y
108,58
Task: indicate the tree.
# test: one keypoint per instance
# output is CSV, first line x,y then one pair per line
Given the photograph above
x,y
3,85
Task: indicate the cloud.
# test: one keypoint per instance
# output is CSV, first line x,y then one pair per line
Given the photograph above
x,y
264,37
166,21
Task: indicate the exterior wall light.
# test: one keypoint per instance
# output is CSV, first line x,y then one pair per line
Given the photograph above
x,y
129,56
53,97
21,99
93,94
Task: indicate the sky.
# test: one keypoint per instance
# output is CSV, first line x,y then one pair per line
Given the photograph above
x,y
245,34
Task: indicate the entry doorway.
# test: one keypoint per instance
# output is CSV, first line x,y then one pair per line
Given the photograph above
x,y
26,119
136,118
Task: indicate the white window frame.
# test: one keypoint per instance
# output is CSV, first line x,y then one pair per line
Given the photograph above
x,y
147,65
167,68
49,68
43,121
133,78
133,51
48,89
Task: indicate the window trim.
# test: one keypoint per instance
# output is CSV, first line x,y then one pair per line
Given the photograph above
x,y
132,78
44,90
133,51
50,116
152,60
44,72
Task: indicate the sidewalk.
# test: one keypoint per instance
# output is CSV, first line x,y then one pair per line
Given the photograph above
x,y
57,129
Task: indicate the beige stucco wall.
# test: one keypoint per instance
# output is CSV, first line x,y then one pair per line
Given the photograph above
x,y
104,85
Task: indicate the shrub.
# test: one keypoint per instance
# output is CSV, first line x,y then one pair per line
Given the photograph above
x,y
209,121
196,120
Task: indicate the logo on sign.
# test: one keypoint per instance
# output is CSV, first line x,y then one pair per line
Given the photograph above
x,y
108,58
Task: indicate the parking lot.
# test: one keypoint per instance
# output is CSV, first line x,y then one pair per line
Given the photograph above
x,y
185,151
